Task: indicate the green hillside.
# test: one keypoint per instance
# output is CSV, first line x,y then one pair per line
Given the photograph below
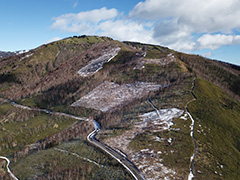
x,y
48,77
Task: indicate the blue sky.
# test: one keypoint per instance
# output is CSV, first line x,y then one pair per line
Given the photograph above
x,y
208,27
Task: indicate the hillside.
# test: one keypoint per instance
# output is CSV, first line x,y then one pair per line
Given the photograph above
x,y
6,54
137,93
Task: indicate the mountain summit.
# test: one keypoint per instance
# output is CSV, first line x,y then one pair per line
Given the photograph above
x,y
89,107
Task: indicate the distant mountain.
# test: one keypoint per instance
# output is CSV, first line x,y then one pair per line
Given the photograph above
x,y
9,53
5,54
171,114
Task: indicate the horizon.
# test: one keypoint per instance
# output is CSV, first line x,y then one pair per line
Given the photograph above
x,y
208,29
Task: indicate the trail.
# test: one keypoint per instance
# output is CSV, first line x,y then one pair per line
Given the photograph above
x,y
8,169
191,174
46,111
91,138
39,110
121,159
154,107
75,154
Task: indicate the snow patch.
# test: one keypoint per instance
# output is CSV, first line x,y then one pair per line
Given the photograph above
x,y
21,52
158,139
157,170
96,64
26,56
184,117
161,119
109,95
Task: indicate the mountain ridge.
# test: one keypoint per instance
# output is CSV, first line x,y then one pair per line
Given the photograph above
x,y
48,77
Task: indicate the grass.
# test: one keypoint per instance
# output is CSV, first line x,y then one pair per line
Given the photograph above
x,y
4,108
217,132
175,155
22,127
85,39
217,129
28,102
50,161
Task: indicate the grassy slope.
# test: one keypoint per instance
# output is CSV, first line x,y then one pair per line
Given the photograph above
x,y
216,131
221,116
22,127
51,160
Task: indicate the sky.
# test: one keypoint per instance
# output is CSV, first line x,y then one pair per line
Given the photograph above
x,y
210,28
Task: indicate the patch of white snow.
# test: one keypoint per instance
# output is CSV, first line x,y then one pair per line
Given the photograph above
x,y
96,64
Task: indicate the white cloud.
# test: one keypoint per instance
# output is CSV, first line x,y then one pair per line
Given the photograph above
x,y
127,30
108,22
215,41
178,21
84,21
75,4
201,16
178,37
52,40
207,54
170,23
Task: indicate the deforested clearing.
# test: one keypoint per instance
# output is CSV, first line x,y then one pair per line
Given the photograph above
x,y
160,119
96,64
109,95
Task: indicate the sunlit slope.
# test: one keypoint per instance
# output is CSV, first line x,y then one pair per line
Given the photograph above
x,y
48,77
217,132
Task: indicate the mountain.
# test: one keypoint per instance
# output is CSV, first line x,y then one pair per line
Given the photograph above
x,y
9,53
162,113
5,54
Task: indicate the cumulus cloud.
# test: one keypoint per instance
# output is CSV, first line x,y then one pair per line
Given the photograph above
x,y
107,22
84,21
127,30
178,21
170,33
215,41
201,16
184,25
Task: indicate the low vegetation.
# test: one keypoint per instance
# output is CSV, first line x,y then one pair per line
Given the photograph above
x,y
47,77
55,164
217,132
23,127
